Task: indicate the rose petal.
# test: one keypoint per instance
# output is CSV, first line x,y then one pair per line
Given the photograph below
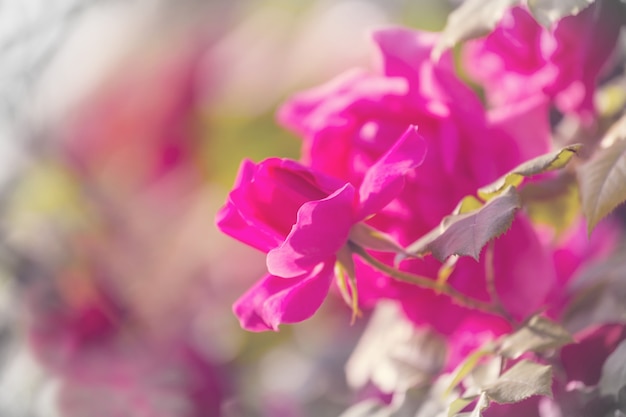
x,y
406,53
385,179
230,221
321,230
274,300
524,271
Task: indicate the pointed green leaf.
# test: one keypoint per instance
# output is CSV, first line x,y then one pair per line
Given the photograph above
x,y
544,163
467,366
483,375
459,404
393,353
466,234
553,202
447,269
481,405
610,98
346,281
523,380
546,12
467,204
537,335
370,238
614,372
368,408
603,179
472,19
598,290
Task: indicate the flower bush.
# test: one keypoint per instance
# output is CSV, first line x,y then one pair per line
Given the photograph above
x,y
304,221
471,194
449,229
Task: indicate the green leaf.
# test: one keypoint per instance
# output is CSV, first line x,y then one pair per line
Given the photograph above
x,y
537,335
523,380
479,407
346,281
614,372
603,179
598,290
472,19
544,163
467,204
466,234
370,238
483,375
393,353
467,366
368,408
553,202
610,98
546,12
447,269
459,404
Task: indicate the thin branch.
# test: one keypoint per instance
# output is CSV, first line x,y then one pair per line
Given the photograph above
x,y
424,282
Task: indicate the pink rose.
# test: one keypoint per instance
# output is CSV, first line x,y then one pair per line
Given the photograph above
x,y
302,219
351,121
347,123
521,59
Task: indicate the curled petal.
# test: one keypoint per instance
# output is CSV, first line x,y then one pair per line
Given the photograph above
x,y
327,106
232,221
405,53
321,230
274,300
385,179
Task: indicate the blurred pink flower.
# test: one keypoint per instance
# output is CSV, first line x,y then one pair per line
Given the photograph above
x,y
302,219
113,320
108,365
521,59
137,129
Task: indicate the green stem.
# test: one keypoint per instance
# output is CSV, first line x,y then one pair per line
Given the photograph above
x,y
490,277
428,283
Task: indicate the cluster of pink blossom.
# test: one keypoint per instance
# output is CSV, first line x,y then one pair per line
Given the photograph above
x,y
388,153
117,344
438,202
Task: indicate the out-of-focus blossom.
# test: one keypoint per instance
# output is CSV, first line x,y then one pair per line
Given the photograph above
x,y
107,364
113,311
303,220
521,59
138,128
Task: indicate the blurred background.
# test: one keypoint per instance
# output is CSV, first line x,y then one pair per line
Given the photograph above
x,y
122,125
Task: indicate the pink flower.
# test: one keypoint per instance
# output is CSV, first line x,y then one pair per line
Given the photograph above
x,y
347,123
136,130
107,364
521,59
351,121
302,219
